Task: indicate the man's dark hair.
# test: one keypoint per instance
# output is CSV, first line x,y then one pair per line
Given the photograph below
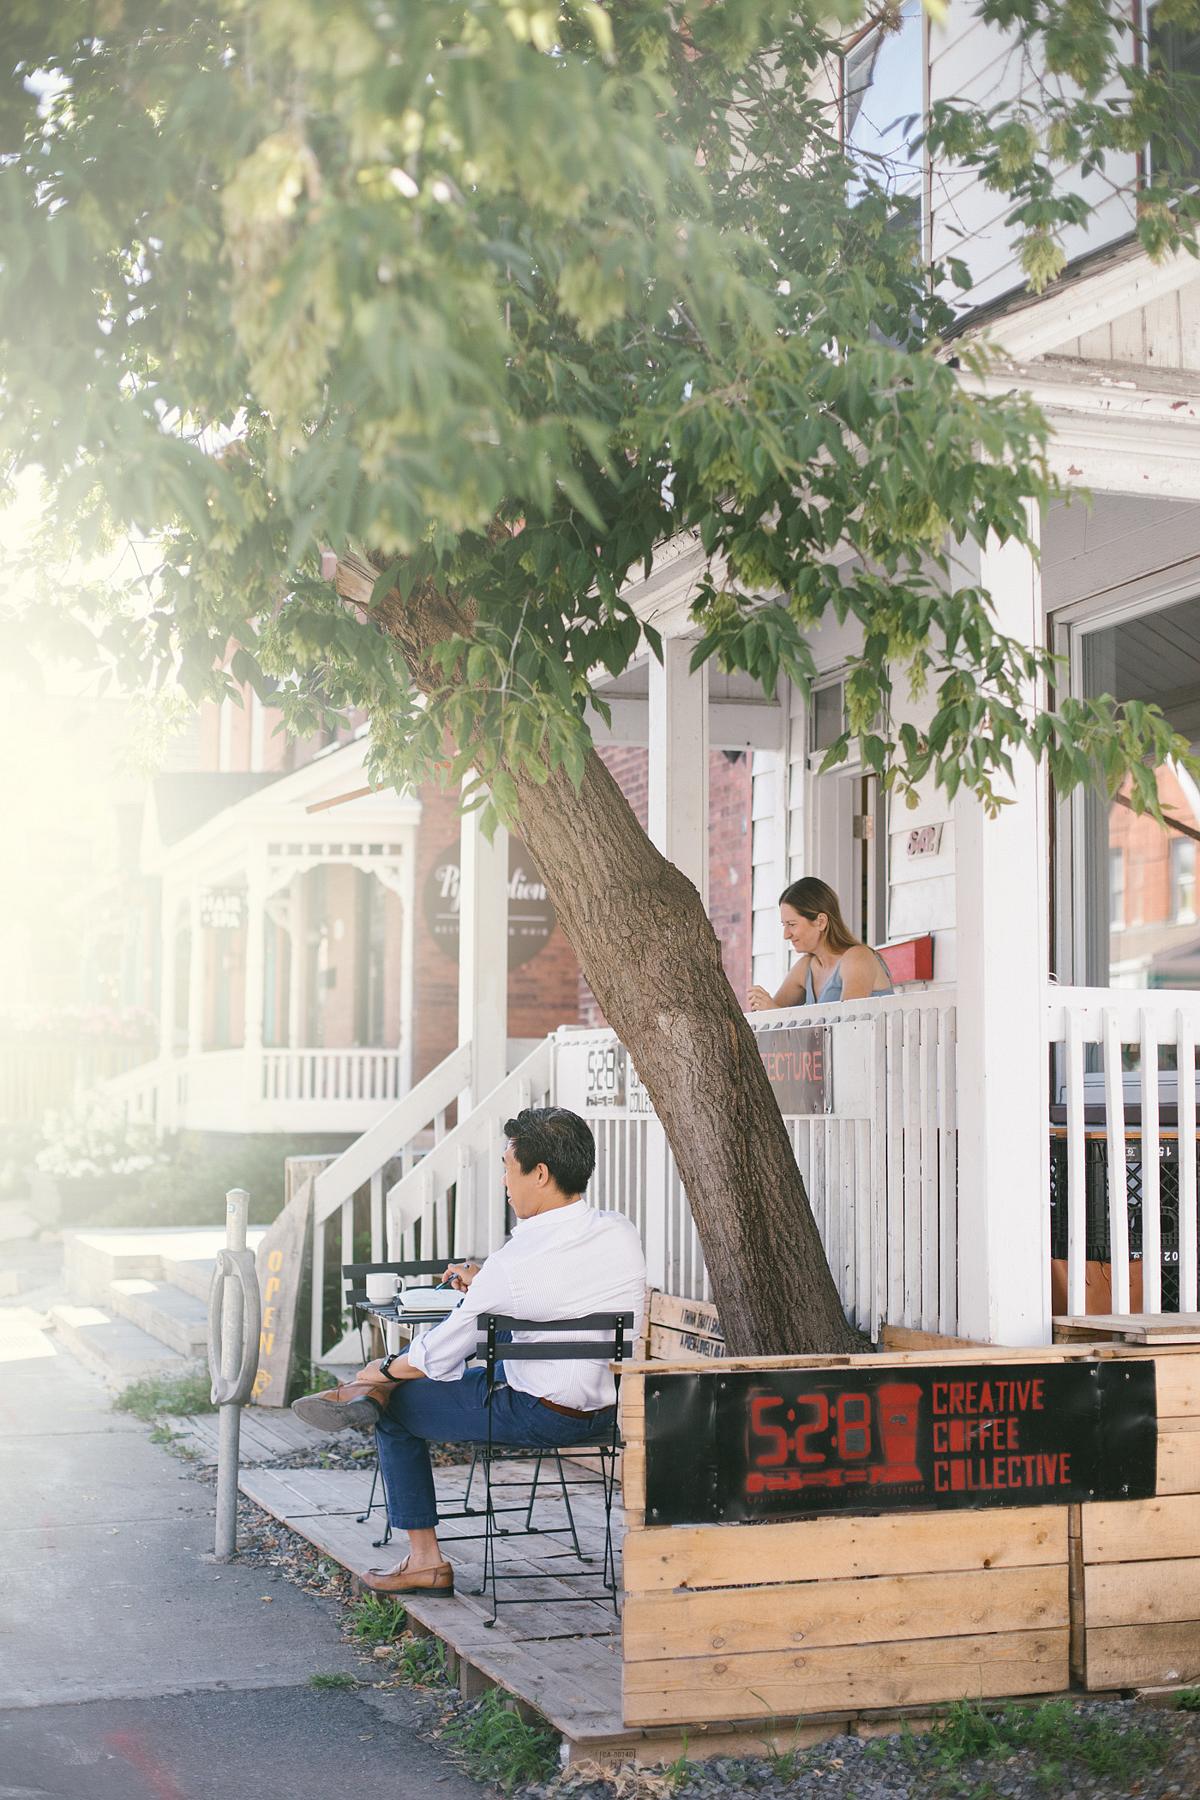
x,y
558,1138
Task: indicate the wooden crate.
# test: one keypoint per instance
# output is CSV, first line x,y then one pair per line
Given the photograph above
x,y
1136,1564
740,1622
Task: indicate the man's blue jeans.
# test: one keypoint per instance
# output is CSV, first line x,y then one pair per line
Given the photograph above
x,y
455,1412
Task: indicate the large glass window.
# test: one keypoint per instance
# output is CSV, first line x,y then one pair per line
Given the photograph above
x,y
883,102
1136,920
1175,49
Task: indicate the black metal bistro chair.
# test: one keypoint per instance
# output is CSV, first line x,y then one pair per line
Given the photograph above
x,y
496,1349
362,1309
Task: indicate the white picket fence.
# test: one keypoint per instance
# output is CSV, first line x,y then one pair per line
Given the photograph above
x,y
1107,1051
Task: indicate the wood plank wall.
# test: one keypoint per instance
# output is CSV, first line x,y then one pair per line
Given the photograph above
x,y
1136,1564
737,1622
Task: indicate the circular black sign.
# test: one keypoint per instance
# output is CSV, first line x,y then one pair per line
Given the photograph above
x,y
531,917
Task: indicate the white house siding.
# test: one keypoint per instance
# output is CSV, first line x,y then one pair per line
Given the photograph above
x,y
972,62
1162,335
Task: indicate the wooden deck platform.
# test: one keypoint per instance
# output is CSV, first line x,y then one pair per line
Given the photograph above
x,y
563,1661
267,1433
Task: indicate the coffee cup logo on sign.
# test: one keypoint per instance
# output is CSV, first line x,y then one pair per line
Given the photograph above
x,y
531,916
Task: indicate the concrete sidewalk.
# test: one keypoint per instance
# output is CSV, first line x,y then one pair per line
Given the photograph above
x,y
111,1609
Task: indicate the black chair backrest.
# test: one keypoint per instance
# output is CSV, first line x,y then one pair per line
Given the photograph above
x,y
563,1350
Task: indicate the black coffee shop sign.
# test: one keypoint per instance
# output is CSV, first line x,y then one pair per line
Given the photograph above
x,y
531,916
785,1444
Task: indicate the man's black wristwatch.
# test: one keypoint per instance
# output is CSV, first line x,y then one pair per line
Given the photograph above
x,y
385,1367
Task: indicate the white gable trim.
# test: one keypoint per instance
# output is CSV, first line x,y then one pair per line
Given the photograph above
x,y
1078,306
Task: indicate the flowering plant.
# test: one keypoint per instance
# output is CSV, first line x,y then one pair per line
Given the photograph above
x,y
96,1140
108,1024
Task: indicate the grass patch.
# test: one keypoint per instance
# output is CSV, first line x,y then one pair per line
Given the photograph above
x,y
1187,1700
421,1660
377,1619
1055,1733
329,1684
155,1394
497,1745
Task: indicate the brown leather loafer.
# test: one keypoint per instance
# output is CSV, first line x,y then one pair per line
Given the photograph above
x,y
351,1406
438,1580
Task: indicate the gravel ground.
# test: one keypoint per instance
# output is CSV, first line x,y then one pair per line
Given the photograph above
x,y
1148,1752
1084,1750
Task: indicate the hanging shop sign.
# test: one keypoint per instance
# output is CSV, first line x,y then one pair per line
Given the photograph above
x,y
799,1066
531,915
758,1445
222,909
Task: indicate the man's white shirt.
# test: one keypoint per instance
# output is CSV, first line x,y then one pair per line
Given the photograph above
x,y
561,1264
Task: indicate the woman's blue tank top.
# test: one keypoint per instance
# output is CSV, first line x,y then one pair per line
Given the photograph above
x,y
833,987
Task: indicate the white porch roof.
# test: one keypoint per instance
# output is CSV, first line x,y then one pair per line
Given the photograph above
x,y
290,810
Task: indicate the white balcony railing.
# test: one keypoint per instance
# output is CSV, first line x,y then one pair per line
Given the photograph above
x,y
1108,1048
331,1076
880,1166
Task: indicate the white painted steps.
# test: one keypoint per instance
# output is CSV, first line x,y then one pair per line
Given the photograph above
x,y
176,1319
138,1299
114,1348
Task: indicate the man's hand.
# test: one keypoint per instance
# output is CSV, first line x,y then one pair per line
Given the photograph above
x,y
372,1374
461,1275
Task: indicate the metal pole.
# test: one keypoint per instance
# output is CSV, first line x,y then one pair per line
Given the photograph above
x,y
237,1208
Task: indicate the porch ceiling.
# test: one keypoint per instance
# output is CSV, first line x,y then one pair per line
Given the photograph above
x,y
740,715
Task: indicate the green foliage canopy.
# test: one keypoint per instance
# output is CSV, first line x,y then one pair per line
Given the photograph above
x,y
498,296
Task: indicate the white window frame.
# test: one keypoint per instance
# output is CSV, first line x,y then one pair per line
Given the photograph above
x,y
1067,627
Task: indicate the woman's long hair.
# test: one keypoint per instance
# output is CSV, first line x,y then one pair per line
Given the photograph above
x,y
810,897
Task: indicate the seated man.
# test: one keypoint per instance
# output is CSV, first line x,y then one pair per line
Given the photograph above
x,y
564,1260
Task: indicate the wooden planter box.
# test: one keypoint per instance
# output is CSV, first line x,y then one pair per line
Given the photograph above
x,y
836,1615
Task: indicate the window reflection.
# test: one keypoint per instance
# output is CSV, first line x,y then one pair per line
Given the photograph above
x,y
1139,912
883,99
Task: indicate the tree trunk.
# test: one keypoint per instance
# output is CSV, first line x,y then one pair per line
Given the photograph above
x,y
648,949
651,956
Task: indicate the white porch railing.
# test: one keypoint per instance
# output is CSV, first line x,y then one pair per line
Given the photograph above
x,y
1125,1113
880,1168
151,1094
260,1090
331,1075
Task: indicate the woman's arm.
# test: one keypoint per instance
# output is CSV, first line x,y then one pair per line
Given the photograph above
x,y
860,973
791,992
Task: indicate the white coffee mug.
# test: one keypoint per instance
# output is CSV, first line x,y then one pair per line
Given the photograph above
x,y
380,1289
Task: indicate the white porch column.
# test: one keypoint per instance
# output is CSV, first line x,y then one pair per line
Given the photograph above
x,y
483,953
256,928
167,963
296,928
196,961
483,1014
1003,1095
408,934
678,771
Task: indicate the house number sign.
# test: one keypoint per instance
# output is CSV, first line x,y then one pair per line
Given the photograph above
x,y
784,1444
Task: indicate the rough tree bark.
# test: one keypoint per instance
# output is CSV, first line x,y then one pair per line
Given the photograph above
x,y
651,956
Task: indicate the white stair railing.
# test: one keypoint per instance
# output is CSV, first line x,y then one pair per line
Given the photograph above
x,y
467,1160
420,1114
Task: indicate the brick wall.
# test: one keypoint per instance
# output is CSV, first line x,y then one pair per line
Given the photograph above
x,y
728,856
542,993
